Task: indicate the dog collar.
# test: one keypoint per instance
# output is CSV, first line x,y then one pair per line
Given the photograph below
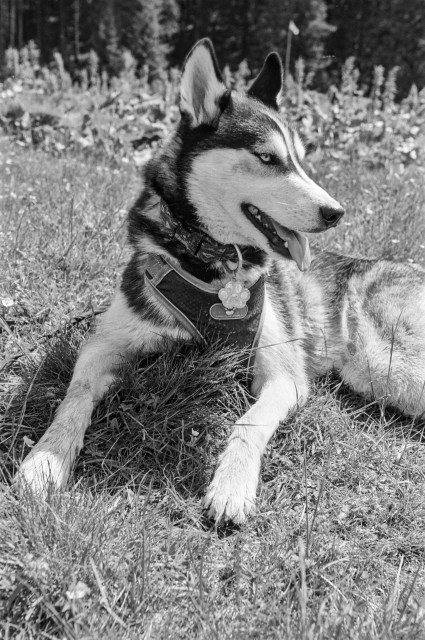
x,y
195,240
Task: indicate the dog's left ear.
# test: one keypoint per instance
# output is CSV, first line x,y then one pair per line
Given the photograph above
x,y
268,85
203,94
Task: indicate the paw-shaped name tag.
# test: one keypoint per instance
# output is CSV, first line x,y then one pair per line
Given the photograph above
x,y
233,297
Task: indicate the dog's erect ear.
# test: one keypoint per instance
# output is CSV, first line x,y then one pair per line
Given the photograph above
x,y
203,92
269,83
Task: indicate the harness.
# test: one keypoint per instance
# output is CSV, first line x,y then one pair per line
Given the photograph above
x,y
193,303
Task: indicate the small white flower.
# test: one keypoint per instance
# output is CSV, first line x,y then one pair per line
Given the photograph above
x,y
78,591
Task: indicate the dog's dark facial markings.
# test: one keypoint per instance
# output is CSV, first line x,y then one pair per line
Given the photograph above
x,y
233,171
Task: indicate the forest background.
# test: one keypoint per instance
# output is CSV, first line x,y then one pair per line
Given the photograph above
x,y
158,34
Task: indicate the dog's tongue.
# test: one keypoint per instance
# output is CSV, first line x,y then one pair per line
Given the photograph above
x,y
297,245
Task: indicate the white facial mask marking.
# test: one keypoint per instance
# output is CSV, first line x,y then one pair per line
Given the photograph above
x,y
279,146
223,179
299,147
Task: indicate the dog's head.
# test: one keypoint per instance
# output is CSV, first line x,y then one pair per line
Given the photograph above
x,y
243,172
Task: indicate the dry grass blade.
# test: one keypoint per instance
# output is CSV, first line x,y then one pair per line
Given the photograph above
x,y
104,596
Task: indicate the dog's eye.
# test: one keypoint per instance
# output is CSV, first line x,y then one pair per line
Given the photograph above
x,y
265,157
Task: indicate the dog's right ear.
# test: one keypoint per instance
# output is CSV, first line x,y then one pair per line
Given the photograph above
x,y
268,85
203,94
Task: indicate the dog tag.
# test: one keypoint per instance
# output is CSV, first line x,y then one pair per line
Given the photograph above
x,y
218,312
233,296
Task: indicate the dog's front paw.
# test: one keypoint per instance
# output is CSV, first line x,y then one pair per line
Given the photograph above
x,y
41,471
231,494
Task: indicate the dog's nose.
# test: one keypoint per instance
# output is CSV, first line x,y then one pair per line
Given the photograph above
x,y
331,215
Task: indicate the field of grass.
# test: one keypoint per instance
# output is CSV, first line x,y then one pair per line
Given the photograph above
x,y
336,548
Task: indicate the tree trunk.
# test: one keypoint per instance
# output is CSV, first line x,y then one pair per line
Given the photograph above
x,y
246,15
19,9
3,23
61,29
77,29
12,23
39,23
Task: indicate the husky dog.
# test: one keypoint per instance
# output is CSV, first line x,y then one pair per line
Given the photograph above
x,y
217,238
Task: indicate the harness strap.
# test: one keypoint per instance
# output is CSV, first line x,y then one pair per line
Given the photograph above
x,y
254,346
156,269
190,301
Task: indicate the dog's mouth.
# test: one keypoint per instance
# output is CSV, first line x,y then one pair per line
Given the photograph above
x,y
289,244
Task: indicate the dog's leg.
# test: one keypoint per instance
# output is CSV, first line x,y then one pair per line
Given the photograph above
x,y
231,494
281,386
119,334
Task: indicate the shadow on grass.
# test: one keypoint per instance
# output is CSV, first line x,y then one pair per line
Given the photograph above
x,y
376,411
162,424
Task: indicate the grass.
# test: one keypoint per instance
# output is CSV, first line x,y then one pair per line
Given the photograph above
x,y
336,548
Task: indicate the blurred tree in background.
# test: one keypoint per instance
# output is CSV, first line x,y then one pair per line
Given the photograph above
x,y
249,29
158,33
74,27
381,32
